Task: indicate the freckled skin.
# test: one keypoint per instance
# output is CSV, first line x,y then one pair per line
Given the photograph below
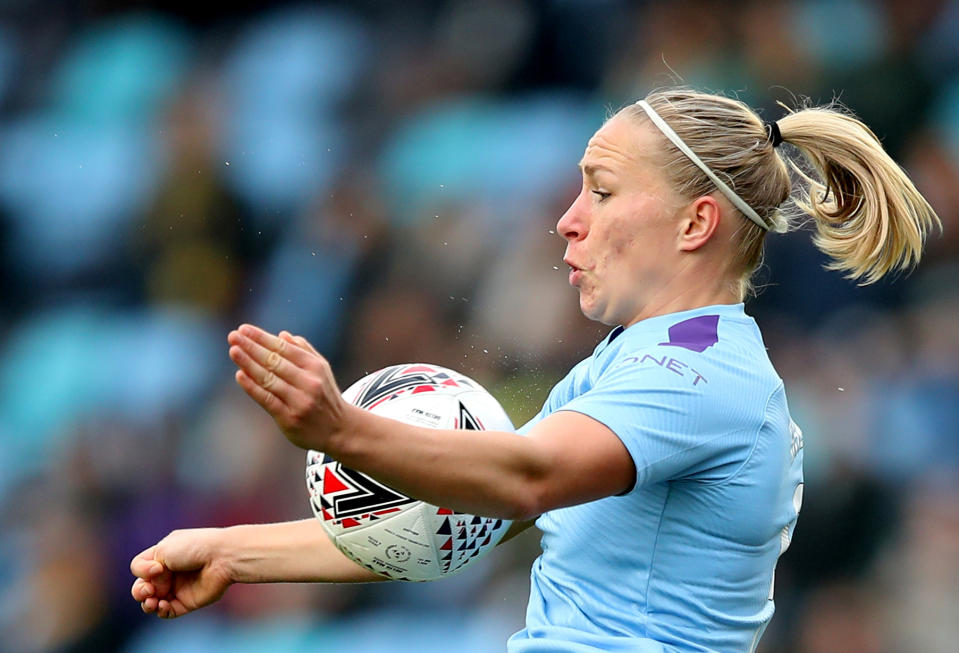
x,y
622,242
636,249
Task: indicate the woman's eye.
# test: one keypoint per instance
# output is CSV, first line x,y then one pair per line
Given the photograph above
x,y
602,195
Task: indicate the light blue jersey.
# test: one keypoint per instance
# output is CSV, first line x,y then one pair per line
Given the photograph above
x,y
684,561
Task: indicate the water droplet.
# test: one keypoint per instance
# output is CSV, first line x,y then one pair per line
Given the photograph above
x,y
445,243
226,162
314,253
555,267
387,338
841,389
551,231
486,351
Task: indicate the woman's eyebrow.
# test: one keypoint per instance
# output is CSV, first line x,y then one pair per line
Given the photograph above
x,y
591,169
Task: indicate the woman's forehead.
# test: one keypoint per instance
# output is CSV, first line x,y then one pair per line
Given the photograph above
x,y
620,143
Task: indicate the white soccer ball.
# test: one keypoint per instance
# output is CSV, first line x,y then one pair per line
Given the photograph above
x,y
383,529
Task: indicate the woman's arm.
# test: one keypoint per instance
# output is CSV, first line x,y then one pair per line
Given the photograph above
x,y
190,569
293,552
567,458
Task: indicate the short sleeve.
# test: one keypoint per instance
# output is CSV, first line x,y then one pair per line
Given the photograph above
x,y
560,395
525,428
666,415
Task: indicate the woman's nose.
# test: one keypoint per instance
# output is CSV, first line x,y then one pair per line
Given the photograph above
x,y
573,224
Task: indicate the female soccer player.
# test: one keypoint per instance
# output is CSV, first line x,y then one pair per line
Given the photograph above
x,y
664,470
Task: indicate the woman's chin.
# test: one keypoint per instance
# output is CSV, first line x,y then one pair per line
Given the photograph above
x,y
595,313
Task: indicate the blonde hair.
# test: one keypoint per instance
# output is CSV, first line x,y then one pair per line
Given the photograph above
x,y
870,219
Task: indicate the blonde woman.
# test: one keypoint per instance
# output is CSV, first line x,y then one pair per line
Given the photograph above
x,y
664,470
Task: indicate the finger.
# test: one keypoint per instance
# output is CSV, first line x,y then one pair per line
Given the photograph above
x,y
270,362
171,609
299,341
149,605
142,590
306,345
290,338
269,381
162,584
267,400
177,609
297,356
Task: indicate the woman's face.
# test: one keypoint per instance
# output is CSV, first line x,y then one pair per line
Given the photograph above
x,y
622,230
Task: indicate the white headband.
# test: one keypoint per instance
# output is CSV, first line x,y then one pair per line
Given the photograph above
x,y
685,149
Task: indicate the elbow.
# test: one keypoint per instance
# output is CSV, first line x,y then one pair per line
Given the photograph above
x,y
527,503
533,490
526,487
518,511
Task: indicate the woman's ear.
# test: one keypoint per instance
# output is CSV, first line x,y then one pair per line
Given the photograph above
x,y
699,222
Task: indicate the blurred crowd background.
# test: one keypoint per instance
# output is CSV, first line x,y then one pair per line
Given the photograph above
x,y
384,179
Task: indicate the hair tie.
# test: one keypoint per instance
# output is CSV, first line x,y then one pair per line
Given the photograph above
x,y
773,134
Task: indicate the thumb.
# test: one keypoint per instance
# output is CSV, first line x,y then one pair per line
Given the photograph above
x,y
306,345
175,553
299,341
145,565
178,553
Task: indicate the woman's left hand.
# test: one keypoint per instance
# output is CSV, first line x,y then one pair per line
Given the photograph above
x,y
291,381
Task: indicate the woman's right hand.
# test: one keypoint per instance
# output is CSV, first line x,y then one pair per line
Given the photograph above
x,y
179,574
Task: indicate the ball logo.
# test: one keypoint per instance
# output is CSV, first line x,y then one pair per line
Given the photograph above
x,y
397,553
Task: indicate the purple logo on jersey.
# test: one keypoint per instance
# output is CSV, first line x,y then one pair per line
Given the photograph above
x,y
695,334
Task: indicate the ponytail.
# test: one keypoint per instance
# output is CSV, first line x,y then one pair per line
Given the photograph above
x,y
870,219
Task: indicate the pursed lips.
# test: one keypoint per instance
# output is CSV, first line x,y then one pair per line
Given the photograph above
x,y
575,272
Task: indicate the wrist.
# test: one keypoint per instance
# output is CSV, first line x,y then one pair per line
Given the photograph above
x,y
226,552
346,441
